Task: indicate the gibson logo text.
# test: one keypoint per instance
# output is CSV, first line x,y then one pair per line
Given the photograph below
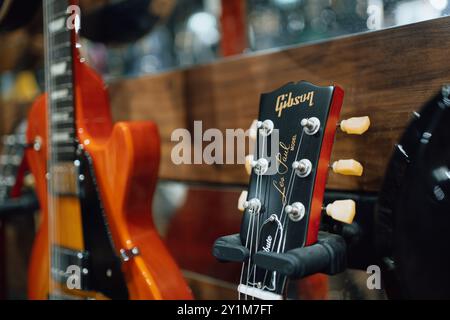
x,y
287,101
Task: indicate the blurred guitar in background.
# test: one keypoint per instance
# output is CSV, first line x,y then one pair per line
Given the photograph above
x,y
94,182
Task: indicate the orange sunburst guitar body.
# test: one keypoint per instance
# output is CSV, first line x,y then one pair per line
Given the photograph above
x,y
97,238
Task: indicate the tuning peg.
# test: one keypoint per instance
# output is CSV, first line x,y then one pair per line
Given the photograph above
x,y
252,134
356,125
253,131
249,164
242,199
348,167
342,210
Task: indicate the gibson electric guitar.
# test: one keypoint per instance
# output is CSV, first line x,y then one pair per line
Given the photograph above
x,y
280,237
95,182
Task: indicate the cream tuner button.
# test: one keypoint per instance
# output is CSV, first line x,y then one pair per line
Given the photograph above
x,y
348,167
356,125
242,200
342,210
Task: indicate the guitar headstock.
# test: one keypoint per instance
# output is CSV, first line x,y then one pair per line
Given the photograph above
x,y
303,118
294,135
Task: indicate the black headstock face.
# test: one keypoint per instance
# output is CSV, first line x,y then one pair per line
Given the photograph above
x,y
284,204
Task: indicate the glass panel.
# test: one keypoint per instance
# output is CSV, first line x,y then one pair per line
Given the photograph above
x,y
194,32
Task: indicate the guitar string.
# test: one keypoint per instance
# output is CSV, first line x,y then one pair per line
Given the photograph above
x,y
259,226
55,254
288,191
285,235
50,157
256,216
264,143
50,204
244,263
259,191
290,188
52,152
258,196
266,214
253,213
247,263
286,220
258,213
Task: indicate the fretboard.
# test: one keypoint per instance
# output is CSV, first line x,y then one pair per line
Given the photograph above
x,y
59,81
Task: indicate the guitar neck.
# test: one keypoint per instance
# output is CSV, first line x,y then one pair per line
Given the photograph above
x,y
59,50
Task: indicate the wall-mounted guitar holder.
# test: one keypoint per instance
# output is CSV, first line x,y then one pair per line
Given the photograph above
x,y
327,256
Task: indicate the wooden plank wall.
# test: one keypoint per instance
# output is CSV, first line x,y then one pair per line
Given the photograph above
x,y
385,74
